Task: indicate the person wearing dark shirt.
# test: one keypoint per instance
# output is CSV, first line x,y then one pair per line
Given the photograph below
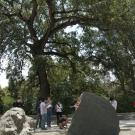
x,y
1,106
18,103
38,122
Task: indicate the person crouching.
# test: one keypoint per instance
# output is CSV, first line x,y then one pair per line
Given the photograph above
x,y
63,122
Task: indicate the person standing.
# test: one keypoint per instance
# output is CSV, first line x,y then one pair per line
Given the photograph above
x,y
43,112
113,103
18,103
1,106
58,108
38,122
76,105
49,111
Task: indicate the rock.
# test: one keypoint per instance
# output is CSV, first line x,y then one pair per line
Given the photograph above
x,y
95,116
15,122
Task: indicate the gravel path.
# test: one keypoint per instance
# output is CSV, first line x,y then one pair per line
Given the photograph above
x,y
127,126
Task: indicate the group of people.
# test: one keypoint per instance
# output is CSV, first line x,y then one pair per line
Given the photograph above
x,y
112,101
44,111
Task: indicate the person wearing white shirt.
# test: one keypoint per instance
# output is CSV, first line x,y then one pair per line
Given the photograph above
x,y
58,108
113,103
43,112
49,111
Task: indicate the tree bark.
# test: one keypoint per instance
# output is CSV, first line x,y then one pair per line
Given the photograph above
x,y
43,81
40,65
123,86
133,78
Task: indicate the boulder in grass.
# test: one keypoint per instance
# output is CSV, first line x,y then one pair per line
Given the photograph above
x,y
95,116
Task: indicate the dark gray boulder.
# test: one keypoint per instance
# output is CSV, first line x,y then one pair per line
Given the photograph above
x,y
95,116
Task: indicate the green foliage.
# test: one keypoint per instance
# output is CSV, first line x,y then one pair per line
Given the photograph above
x,y
125,103
8,102
30,105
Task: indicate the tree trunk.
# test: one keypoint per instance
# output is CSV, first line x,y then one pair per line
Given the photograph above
x,y
40,64
133,83
133,78
43,81
123,85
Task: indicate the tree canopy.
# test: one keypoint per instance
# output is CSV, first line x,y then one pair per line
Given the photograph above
x,y
34,30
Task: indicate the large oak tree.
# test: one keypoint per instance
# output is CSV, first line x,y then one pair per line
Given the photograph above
x,y
30,28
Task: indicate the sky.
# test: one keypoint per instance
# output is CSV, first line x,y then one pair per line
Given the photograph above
x,y
3,80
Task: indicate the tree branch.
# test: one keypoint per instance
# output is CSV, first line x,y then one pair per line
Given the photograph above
x,y
29,24
44,39
51,11
66,12
32,31
21,17
73,20
28,21
56,42
34,11
63,56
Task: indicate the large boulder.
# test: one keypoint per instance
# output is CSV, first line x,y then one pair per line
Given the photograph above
x,y
95,116
15,122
